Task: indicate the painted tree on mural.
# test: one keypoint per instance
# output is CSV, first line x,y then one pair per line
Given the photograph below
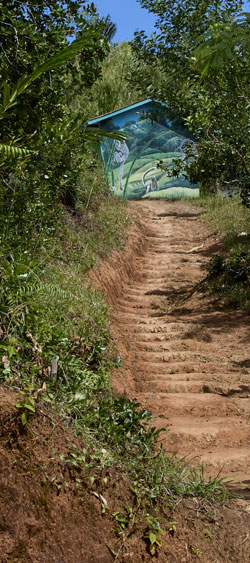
x,y
133,167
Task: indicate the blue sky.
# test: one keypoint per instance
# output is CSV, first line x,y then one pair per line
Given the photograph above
x,y
129,16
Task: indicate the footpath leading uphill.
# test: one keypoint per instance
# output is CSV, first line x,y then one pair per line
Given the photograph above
x,y
71,490
186,360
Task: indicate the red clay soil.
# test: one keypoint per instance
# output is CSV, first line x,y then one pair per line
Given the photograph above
x,y
49,511
188,363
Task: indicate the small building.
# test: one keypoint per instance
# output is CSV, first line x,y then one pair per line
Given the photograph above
x,y
153,135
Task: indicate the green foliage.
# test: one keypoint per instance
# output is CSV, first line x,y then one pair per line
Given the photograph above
x,y
48,171
227,215
123,422
229,272
11,151
31,34
27,402
170,49
57,154
235,269
112,90
154,534
224,52
200,60
9,97
230,276
219,44
49,314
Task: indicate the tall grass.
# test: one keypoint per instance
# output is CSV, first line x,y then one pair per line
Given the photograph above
x,y
227,215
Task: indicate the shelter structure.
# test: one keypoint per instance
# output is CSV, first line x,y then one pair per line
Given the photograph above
x,y
154,135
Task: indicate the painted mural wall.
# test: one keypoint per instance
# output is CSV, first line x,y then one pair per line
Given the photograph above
x,y
131,166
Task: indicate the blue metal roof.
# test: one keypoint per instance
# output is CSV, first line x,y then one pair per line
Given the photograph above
x,y
121,110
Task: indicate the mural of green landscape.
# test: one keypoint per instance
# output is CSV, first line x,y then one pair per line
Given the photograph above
x,y
131,166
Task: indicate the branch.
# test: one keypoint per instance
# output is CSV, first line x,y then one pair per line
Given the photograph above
x,y
243,160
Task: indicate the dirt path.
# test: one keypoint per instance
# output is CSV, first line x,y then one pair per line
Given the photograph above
x,y
191,366
182,365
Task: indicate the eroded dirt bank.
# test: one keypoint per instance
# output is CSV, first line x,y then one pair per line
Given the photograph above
x,y
50,510
190,365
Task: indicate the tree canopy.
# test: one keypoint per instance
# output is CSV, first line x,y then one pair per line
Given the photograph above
x,y
113,90
198,63
46,80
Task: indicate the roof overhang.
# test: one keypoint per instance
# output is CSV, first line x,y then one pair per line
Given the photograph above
x,y
122,110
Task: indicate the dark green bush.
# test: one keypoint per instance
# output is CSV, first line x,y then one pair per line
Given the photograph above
x,y
230,276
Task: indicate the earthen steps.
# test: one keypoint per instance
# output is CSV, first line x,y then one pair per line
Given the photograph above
x,y
177,367
185,364
153,356
206,404
242,390
219,379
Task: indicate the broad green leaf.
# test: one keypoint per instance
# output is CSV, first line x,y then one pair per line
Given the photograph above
x,y
29,407
6,93
24,418
152,548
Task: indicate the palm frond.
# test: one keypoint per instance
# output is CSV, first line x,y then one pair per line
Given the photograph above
x,y
110,29
97,135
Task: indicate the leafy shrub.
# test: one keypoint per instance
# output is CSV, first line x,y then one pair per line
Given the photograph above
x,y
235,269
230,276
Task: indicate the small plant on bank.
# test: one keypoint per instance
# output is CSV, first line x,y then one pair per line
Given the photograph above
x,y
27,403
126,521
172,527
154,534
197,552
208,533
121,520
230,276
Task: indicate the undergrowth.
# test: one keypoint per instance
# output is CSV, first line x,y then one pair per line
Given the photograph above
x,y
229,271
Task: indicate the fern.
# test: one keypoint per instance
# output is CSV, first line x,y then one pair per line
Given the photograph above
x,y
13,151
54,291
